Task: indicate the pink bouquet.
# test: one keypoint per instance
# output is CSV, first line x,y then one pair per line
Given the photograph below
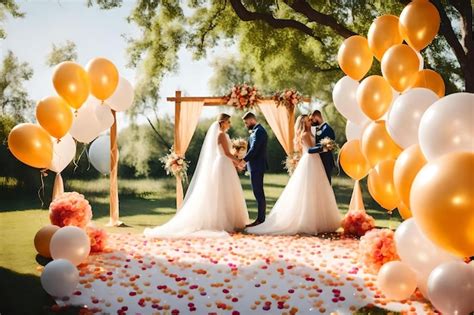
x,y
98,238
376,248
357,223
288,98
70,208
243,96
175,165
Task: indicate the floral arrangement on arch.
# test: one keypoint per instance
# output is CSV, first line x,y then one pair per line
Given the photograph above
x,y
239,148
243,96
291,162
289,98
376,248
357,223
175,165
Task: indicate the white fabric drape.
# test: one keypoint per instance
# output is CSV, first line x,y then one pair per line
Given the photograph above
x,y
357,203
279,120
189,114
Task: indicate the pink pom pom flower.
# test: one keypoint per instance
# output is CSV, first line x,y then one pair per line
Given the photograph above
x,y
357,223
70,208
98,238
376,248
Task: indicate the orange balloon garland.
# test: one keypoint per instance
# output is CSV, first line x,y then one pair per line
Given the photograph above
x,y
400,64
54,115
383,34
374,96
72,83
353,161
31,144
104,77
431,80
377,145
381,187
354,57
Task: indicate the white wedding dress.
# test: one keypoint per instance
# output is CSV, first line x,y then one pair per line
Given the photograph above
x,y
307,204
214,204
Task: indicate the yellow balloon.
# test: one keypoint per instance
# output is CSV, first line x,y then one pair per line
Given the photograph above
x,y
419,24
383,34
404,211
408,164
54,115
377,145
381,187
43,238
104,77
72,83
400,65
354,57
352,160
374,96
31,144
431,80
442,202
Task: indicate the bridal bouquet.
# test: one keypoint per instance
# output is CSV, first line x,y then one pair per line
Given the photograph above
x,y
239,148
176,165
329,144
288,98
291,162
243,96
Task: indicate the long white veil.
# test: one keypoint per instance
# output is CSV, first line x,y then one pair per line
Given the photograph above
x,y
199,208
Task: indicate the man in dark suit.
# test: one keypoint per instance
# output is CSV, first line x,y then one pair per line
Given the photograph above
x,y
323,130
257,163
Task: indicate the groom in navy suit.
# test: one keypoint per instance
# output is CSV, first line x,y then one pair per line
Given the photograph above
x,y
257,163
323,130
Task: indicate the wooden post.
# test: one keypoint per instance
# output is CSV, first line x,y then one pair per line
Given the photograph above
x,y
177,147
291,129
114,200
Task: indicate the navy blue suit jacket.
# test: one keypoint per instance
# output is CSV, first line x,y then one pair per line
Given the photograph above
x,y
325,131
256,156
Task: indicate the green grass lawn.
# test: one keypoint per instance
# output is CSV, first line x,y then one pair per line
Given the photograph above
x,y
143,203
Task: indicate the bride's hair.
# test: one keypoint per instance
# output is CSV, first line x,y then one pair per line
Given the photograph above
x,y
300,127
222,117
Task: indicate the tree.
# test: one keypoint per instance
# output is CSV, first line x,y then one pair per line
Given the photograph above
x,y
66,51
8,7
14,99
287,42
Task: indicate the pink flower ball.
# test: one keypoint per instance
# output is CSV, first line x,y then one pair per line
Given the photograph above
x,y
70,208
98,238
376,248
357,223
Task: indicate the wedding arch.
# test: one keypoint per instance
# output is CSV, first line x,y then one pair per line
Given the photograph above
x,y
188,111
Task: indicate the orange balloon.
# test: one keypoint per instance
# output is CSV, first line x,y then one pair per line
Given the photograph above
x,y
404,211
431,80
352,160
442,202
43,238
374,96
381,187
354,57
54,115
400,64
377,145
408,164
31,144
104,77
419,24
383,34
72,83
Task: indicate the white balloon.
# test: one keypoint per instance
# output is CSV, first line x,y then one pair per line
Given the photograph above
x,y
405,115
448,126
60,278
85,126
420,58
451,288
104,116
395,94
417,251
71,243
99,154
63,153
122,99
396,280
344,98
354,131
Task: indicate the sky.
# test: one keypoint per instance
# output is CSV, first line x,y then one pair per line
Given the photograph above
x,y
97,33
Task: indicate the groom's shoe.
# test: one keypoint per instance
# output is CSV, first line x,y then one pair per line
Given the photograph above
x,y
253,224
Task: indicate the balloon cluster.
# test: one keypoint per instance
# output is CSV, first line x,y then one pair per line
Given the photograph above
x,y
417,148
93,93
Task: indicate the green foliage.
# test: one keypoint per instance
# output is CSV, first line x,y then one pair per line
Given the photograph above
x,y
14,100
66,51
8,7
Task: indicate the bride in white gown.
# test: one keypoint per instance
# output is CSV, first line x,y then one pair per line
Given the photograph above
x,y
214,203
307,204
